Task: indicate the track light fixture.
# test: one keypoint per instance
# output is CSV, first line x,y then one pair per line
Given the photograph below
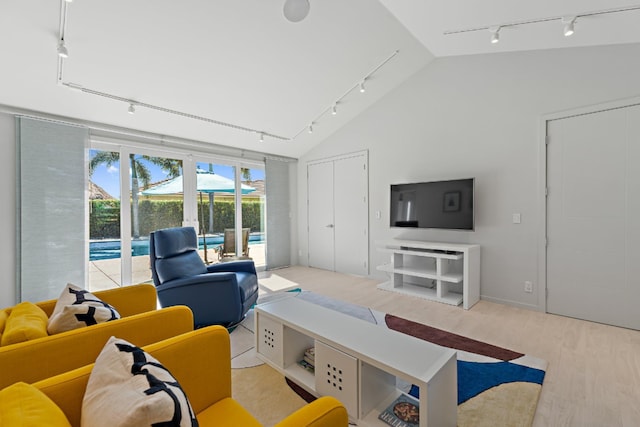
x,y
291,14
568,21
495,34
569,25
62,50
333,108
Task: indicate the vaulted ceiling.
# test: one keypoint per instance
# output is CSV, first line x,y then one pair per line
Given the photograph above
x,y
231,70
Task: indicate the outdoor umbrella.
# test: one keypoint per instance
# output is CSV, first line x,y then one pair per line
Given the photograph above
x,y
207,182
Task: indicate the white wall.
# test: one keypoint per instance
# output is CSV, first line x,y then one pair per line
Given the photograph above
x,y
8,210
478,116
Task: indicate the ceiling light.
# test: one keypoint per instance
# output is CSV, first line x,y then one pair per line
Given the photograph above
x,y
495,34
62,50
362,87
132,109
296,10
311,128
69,1
261,136
334,110
569,24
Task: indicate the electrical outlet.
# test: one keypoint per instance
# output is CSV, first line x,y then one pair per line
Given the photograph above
x,y
528,286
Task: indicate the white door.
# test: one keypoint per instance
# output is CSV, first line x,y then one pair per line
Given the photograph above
x,y
351,215
320,214
593,217
339,214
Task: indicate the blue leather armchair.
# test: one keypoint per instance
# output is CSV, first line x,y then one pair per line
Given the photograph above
x,y
219,294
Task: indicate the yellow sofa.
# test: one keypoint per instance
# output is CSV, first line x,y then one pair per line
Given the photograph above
x,y
200,360
141,323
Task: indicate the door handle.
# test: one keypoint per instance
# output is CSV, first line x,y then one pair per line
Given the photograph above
x,y
330,226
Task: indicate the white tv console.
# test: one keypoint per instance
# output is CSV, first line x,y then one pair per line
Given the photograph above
x,y
443,272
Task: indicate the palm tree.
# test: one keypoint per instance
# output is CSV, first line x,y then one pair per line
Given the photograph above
x,y
246,174
139,174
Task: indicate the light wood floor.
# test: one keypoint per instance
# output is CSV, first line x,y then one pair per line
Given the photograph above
x,y
593,377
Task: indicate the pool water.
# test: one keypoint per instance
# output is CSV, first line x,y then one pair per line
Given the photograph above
x,y
110,249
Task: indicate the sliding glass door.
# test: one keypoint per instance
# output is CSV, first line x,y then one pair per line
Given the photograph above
x,y
162,189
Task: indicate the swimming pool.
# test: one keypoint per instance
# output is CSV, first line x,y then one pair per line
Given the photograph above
x,y
110,249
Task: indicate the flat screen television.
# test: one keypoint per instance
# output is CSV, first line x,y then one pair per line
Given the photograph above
x,y
435,204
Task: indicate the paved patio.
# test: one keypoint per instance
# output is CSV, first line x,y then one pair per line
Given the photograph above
x,y
105,274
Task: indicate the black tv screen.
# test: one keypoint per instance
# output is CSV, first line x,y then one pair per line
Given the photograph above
x,y
435,204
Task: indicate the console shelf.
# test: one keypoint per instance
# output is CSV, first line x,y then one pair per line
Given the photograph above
x,y
357,362
443,272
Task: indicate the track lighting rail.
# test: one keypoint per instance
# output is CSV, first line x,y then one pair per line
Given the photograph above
x,y
541,20
63,54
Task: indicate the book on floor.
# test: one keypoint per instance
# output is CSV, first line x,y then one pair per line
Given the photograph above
x,y
403,412
306,365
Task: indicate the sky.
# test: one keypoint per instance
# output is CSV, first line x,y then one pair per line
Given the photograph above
x,y
108,177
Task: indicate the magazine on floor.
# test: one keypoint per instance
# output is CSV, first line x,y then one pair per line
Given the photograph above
x,y
403,412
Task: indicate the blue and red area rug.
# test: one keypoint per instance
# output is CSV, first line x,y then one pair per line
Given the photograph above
x,y
496,386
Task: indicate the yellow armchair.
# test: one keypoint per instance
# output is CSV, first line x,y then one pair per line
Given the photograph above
x,y
142,323
200,360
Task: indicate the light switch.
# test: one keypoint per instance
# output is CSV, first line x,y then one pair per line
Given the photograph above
x,y
516,218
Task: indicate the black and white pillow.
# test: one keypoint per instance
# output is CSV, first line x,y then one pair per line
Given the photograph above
x,y
129,387
76,308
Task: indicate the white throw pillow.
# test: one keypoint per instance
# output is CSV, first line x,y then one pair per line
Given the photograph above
x,y
130,388
76,308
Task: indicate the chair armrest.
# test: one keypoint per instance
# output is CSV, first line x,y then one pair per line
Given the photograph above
x,y
247,266
325,411
212,297
34,360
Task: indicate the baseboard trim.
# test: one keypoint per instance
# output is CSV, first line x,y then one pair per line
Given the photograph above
x,y
512,303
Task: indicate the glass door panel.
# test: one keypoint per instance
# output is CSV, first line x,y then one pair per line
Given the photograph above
x,y
215,191
253,212
157,201
113,260
104,220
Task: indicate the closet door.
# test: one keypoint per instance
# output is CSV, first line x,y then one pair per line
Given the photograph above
x,y
320,216
351,215
338,214
593,206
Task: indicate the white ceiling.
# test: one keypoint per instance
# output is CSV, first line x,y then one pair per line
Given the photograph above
x,y
241,62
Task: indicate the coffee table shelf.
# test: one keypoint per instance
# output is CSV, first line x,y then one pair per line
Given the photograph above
x,y
356,361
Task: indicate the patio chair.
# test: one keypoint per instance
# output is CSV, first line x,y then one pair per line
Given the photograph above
x,y
219,294
228,247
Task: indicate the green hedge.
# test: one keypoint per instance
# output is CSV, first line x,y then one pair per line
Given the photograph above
x,y
104,217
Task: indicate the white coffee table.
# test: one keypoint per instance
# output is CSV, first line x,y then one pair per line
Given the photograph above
x,y
356,361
